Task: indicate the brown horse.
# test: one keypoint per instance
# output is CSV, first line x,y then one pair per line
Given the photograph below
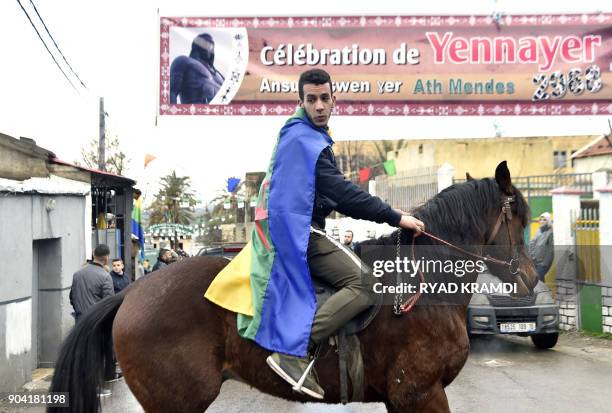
x,y
176,348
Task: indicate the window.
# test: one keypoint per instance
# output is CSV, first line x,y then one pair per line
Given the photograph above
x,y
572,159
559,159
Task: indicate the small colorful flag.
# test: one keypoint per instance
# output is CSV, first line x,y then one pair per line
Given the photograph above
x,y
137,230
390,167
364,174
148,159
232,183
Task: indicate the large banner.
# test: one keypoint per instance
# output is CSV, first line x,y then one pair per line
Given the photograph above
x,y
390,66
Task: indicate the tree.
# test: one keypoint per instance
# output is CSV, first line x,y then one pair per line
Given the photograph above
x,y
385,146
210,221
116,160
173,202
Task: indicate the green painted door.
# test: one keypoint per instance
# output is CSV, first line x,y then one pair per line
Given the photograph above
x,y
590,308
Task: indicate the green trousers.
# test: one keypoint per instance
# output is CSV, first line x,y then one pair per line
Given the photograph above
x,y
337,265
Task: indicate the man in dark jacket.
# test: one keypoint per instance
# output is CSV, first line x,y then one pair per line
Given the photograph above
x,y
328,259
541,247
120,280
163,259
348,239
91,283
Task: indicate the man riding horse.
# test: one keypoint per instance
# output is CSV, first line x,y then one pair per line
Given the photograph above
x,y
289,245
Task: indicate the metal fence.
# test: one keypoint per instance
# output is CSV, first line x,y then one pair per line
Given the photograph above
x,y
408,189
541,185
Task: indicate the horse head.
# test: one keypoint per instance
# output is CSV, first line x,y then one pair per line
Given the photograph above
x,y
506,223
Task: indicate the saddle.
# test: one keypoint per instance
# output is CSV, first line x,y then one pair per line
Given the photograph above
x,y
347,343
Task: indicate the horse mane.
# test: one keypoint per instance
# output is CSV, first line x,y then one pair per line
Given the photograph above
x,y
459,213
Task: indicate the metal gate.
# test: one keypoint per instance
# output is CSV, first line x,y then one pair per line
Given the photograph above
x,y
586,232
588,253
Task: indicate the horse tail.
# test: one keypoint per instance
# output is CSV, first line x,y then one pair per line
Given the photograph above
x,y
83,356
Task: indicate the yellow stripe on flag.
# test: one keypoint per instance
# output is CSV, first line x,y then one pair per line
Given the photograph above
x,y
231,288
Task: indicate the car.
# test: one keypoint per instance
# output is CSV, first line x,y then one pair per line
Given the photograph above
x,y
226,250
536,315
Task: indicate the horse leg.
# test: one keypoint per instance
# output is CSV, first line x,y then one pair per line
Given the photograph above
x,y
437,402
434,402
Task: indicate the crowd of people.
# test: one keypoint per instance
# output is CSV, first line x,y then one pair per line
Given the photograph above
x,y
96,280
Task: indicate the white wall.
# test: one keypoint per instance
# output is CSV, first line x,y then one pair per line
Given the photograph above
x,y
18,323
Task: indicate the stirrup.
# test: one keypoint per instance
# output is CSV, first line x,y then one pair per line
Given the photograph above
x,y
300,383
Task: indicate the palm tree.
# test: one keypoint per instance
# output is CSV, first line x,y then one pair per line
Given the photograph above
x,y
173,202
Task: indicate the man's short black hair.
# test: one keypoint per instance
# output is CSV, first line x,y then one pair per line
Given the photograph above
x,y
313,77
117,259
101,250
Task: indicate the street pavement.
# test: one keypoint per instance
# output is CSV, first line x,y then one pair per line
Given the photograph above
x,y
508,374
502,374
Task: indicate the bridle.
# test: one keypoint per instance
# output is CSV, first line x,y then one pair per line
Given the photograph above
x,y
504,217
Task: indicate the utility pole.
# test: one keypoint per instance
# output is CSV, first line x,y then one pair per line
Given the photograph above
x,y
102,138
175,201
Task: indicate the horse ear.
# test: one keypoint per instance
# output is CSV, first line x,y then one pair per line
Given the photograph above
x,y
502,177
468,176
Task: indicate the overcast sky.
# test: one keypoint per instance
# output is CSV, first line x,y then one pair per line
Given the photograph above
x,y
113,47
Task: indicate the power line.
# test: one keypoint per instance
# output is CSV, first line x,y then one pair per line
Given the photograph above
x,y
56,46
45,44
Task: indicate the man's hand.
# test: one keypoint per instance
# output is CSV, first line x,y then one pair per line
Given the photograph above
x,y
410,222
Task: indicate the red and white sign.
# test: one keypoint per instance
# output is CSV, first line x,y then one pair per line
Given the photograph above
x,y
390,65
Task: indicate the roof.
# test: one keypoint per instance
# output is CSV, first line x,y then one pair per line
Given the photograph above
x,y
598,147
93,171
52,185
169,229
29,148
26,146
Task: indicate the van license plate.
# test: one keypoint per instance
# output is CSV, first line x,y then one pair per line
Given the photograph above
x,y
517,327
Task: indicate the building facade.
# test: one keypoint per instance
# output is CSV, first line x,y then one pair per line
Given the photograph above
x,y
48,215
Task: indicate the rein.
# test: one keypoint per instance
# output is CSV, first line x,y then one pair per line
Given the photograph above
x,y
505,216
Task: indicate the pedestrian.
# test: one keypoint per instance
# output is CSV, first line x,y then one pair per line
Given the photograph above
x,y
146,265
91,283
163,259
541,247
120,279
348,239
